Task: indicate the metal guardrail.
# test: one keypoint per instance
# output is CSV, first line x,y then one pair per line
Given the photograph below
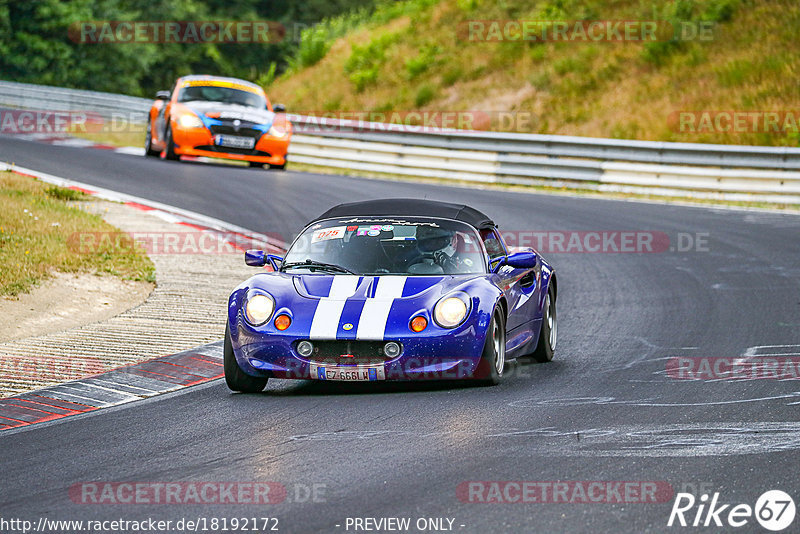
x,y
787,158
702,170
46,98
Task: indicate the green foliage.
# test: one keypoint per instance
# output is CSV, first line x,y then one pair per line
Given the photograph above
x,y
720,10
40,41
566,65
266,79
685,17
467,5
365,61
62,193
734,72
425,94
315,42
452,75
422,61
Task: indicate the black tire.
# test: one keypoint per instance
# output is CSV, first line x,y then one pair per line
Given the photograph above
x,y
148,143
237,379
547,342
256,164
171,155
490,368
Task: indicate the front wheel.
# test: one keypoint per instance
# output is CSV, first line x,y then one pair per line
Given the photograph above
x,y
493,359
282,166
237,379
548,334
148,142
171,155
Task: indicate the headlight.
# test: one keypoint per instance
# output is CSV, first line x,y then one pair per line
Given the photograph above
x,y
189,120
259,309
277,131
450,311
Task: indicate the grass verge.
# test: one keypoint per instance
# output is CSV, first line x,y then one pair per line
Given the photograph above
x,y
38,226
127,138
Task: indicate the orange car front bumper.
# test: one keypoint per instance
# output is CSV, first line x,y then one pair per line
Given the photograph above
x,y
200,142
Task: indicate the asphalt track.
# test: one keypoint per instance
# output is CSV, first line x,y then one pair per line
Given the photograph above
x,y
604,410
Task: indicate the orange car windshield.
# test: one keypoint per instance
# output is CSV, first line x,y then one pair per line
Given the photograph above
x,y
227,95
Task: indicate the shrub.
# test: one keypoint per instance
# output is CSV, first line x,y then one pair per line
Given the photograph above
x,y
425,94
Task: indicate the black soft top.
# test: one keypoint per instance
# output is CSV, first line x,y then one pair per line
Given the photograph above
x,y
409,207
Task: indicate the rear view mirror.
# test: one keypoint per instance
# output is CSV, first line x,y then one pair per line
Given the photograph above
x,y
279,108
163,95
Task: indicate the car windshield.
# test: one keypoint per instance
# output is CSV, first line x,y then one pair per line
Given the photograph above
x,y
394,246
214,93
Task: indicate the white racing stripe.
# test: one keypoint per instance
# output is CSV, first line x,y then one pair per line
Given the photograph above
x,y
329,309
375,313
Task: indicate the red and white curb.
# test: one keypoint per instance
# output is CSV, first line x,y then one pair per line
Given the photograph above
x,y
112,388
137,381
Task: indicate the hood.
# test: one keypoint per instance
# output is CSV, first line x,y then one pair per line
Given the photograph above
x,y
343,287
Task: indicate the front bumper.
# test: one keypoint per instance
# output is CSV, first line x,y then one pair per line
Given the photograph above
x,y
199,142
453,356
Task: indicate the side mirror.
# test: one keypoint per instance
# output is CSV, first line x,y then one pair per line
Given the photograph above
x,y
258,258
517,260
521,260
279,108
255,258
163,95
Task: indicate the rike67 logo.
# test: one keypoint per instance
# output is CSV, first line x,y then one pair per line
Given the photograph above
x,y
774,510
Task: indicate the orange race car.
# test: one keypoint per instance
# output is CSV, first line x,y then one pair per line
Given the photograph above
x,y
217,117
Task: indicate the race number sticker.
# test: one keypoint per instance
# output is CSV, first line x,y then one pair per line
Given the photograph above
x,y
337,232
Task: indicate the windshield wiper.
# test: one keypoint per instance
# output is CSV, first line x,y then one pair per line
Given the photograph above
x,y
311,265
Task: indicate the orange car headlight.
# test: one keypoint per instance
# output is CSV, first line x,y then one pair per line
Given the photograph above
x,y
278,131
190,120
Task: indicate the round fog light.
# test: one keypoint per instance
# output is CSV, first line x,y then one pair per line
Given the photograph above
x,y
305,348
391,349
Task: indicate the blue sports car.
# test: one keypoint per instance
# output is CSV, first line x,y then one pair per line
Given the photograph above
x,y
394,289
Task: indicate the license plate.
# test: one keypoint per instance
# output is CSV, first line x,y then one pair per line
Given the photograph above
x,y
347,373
234,141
